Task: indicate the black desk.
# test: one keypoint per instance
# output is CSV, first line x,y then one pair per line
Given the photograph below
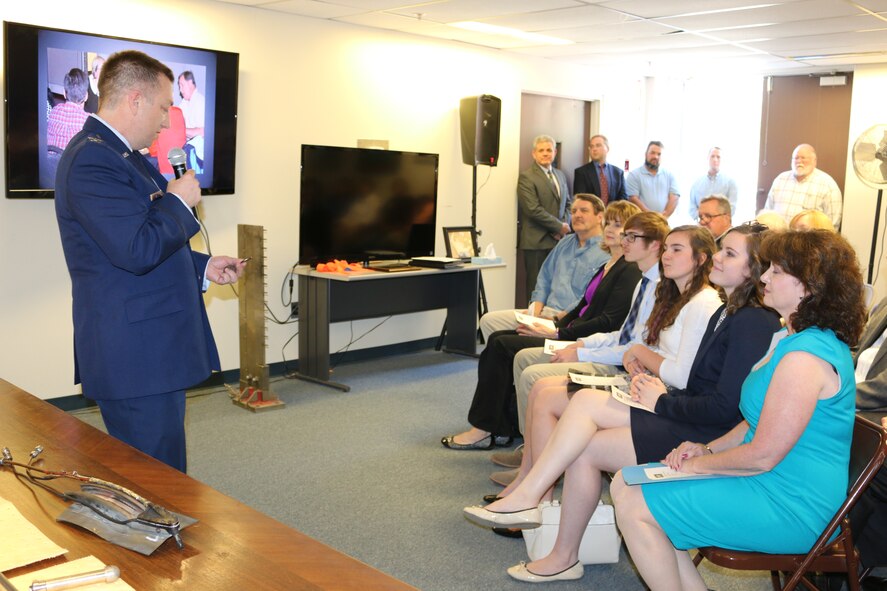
x,y
336,297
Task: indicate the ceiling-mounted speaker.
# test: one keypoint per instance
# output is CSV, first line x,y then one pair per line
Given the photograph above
x,y
479,118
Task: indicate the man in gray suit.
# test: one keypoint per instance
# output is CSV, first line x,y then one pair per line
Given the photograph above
x,y
543,207
869,517
870,359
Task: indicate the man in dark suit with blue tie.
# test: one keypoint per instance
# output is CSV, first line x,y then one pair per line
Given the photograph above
x,y
543,200
598,177
141,333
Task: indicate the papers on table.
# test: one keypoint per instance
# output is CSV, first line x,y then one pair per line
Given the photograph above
x,y
551,346
21,543
658,472
528,320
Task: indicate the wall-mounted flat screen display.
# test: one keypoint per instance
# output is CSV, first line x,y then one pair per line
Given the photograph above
x,y
51,87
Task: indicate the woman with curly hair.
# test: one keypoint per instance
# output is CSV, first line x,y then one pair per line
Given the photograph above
x,y
798,409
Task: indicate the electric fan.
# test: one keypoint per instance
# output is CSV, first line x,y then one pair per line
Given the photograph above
x,y
870,164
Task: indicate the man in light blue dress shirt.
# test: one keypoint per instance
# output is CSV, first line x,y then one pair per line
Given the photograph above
x,y
714,182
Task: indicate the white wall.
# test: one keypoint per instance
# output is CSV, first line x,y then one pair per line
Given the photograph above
x,y
301,81
314,81
866,109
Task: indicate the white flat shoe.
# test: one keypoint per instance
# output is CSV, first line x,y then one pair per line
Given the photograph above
x,y
522,573
524,519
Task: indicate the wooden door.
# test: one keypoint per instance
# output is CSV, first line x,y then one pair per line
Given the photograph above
x,y
798,110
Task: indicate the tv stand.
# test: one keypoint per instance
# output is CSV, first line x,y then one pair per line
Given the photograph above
x,y
334,297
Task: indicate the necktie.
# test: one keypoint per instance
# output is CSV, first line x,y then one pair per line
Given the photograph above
x,y
631,320
557,190
605,189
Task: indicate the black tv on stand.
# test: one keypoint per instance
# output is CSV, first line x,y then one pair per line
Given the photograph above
x,y
363,204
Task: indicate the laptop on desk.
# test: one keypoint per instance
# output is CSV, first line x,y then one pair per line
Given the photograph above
x,y
437,262
391,266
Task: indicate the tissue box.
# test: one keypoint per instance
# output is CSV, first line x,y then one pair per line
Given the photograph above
x,y
600,544
486,260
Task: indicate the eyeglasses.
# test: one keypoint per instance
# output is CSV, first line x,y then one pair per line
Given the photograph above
x,y
630,237
704,218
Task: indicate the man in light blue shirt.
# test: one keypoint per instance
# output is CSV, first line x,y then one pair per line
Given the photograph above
x,y
566,271
713,183
650,187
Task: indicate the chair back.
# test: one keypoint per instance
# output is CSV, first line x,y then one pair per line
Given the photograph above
x,y
868,445
868,451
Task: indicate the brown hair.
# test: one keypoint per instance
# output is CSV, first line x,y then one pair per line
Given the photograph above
x,y
669,299
618,211
595,201
825,263
129,69
652,225
751,292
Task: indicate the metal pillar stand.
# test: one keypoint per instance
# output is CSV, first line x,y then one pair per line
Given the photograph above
x,y
255,392
875,236
482,307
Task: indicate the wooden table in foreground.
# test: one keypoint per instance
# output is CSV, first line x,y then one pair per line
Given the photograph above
x,y
232,547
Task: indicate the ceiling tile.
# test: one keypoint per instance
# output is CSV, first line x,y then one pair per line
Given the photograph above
x,y
792,12
812,42
453,11
312,8
566,18
387,20
643,35
663,8
803,28
371,5
626,30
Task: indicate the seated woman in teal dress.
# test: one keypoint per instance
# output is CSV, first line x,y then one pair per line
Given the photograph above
x,y
798,406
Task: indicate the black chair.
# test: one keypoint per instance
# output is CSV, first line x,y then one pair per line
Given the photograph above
x,y
867,453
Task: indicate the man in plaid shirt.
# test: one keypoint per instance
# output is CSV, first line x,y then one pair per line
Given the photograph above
x,y
805,187
66,119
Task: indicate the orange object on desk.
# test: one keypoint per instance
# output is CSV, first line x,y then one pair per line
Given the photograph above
x,y
338,266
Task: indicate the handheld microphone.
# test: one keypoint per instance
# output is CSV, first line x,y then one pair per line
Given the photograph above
x,y
178,160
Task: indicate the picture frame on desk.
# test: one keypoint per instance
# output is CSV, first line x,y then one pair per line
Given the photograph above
x,y
461,242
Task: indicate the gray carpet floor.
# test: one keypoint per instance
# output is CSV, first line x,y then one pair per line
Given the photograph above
x,y
364,472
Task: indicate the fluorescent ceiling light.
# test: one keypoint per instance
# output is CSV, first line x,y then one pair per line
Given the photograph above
x,y
732,28
534,38
810,58
722,10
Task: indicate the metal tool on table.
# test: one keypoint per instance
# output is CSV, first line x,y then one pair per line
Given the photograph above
x,y
108,510
109,574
